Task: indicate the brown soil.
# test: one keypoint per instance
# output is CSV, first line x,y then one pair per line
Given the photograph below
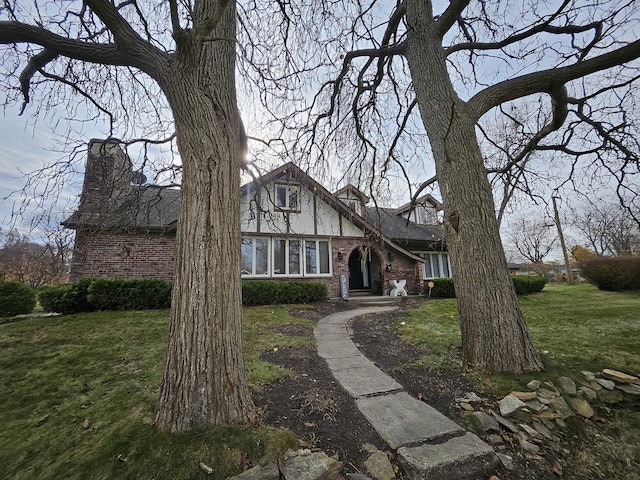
x,y
325,417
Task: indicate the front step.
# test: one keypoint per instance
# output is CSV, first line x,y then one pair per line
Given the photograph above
x,y
372,301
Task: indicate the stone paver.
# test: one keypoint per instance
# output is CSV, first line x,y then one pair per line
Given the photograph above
x,y
429,444
404,420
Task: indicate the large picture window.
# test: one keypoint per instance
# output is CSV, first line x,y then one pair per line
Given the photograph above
x,y
286,257
280,257
436,264
255,256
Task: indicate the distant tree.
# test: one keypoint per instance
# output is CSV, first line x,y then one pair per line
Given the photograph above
x,y
534,240
609,229
582,254
33,263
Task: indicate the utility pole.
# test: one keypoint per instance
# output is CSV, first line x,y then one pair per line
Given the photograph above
x,y
567,265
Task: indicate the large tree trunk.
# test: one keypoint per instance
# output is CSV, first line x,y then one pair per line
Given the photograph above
x,y
494,333
204,381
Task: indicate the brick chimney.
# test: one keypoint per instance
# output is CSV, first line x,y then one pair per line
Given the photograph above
x,y
107,179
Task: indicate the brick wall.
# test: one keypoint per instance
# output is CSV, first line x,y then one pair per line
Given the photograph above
x,y
123,255
152,255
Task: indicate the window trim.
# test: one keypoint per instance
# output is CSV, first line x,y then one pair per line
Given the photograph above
x,y
290,187
254,258
427,256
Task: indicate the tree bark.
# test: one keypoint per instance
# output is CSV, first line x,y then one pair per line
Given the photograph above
x,y
494,332
204,381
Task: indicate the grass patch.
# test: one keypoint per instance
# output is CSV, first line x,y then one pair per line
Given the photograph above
x,y
575,327
79,392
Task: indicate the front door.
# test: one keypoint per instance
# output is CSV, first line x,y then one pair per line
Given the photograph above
x,y
359,269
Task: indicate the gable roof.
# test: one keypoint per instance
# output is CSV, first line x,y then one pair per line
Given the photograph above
x,y
292,172
420,201
349,188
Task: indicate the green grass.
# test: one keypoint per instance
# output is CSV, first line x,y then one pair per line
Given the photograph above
x,y
574,327
78,395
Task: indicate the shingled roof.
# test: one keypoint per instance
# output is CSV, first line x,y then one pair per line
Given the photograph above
x,y
400,230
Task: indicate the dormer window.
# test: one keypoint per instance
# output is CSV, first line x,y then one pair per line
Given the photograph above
x,y
287,197
427,215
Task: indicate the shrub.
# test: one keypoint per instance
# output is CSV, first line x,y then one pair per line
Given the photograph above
x,y
67,299
16,298
442,288
612,273
139,294
267,292
525,284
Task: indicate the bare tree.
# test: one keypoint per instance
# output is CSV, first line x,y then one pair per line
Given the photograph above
x,y
145,68
410,76
609,229
534,240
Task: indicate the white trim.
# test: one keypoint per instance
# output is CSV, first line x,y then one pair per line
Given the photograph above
x,y
437,263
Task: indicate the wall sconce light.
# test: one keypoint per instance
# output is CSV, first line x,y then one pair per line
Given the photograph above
x,y
390,256
340,255
388,267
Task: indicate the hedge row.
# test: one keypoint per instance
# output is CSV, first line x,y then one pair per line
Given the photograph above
x,y
106,294
16,298
612,273
444,287
265,292
114,294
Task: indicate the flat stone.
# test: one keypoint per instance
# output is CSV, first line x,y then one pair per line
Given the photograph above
x,y
588,376
337,349
510,405
366,380
532,432
401,419
506,423
546,393
469,397
542,428
562,408
533,385
581,407
506,460
630,389
610,396
567,385
608,384
619,377
466,406
494,439
346,363
588,393
524,396
304,465
536,406
268,471
379,467
485,422
529,447
595,385
459,458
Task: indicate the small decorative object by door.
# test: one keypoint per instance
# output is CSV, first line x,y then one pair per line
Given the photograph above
x,y
398,288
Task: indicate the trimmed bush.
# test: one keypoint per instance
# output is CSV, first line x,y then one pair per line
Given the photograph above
x,y
266,292
524,284
66,299
16,298
612,273
115,294
442,288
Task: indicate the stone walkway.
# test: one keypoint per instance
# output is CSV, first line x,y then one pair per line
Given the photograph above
x,y
428,444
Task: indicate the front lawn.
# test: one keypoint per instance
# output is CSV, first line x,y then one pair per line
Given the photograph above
x,y
574,327
78,396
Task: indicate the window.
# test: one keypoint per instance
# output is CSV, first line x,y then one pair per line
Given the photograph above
x,y
287,196
436,264
286,257
427,215
317,257
280,257
255,256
